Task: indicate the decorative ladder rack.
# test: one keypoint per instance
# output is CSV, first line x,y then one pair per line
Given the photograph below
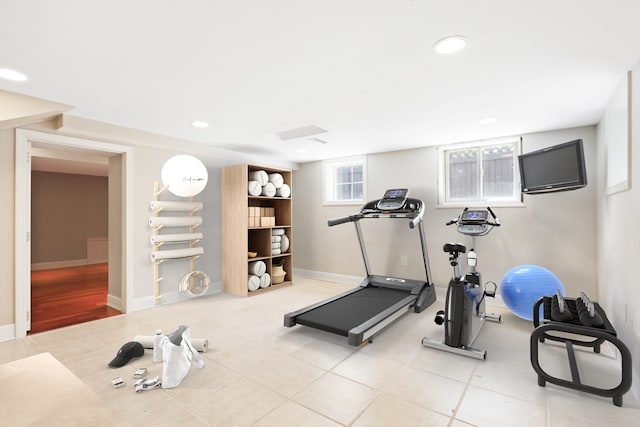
x,y
158,222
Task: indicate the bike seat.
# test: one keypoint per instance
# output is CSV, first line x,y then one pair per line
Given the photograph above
x,y
454,248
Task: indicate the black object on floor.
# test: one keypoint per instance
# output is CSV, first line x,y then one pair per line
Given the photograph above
x,y
584,336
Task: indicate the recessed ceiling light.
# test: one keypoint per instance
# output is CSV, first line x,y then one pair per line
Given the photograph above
x,y
14,75
450,45
488,121
199,124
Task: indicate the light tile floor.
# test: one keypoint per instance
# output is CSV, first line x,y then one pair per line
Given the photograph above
x,y
259,373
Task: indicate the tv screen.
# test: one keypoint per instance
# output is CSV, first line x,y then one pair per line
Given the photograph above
x,y
557,168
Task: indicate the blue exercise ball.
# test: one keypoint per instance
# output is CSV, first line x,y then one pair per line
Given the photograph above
x,y
523,285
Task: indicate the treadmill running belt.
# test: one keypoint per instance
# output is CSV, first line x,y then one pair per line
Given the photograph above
x,y
344,314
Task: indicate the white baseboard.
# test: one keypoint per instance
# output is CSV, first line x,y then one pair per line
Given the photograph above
x,y
441,292
58,264
7,332
328,277
66,263
169,298
114,302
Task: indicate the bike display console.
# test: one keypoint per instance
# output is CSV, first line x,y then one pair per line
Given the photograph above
x,y
474,222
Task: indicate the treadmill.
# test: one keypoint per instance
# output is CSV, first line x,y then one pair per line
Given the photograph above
x,y
378,301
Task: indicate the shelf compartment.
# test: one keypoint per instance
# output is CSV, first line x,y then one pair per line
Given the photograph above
x,y
282,208
259,240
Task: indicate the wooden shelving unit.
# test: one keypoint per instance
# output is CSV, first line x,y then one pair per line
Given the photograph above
x,y
238,238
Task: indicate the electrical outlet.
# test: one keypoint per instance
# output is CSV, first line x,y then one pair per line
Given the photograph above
x,y
403,261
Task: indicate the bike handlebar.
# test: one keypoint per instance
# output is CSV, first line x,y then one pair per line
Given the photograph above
x,y
496,221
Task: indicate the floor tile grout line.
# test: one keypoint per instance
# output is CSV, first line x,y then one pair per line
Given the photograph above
x,y
464,392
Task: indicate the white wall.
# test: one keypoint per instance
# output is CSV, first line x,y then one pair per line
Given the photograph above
x,y
66,208
556,231
619,242
150,151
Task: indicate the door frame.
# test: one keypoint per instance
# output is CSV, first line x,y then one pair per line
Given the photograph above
x,y
23,141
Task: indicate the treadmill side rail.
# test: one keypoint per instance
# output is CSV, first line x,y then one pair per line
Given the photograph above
x,y
366,330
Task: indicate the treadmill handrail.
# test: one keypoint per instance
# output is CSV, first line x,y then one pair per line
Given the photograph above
x,y
415,221
414,217
343,220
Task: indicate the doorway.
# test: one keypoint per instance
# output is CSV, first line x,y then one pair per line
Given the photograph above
x,y
120,170
69,239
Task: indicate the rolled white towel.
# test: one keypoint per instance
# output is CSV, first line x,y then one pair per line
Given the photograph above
x,y
177,237
265,280
276,251
255,188
268,190
171,206
260,176
175,221
284,243
275,239
257,268
283,191
275,245
277,232
176,253
254,282
276,179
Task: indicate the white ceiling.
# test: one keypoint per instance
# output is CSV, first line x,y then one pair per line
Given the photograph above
x,y
364,70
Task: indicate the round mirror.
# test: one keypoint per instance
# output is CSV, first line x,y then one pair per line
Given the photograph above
x,y
184,175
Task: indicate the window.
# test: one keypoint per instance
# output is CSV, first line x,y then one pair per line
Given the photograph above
x,y
479,173
345,180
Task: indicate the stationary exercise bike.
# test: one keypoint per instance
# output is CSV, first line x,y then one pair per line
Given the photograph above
x,y
464,315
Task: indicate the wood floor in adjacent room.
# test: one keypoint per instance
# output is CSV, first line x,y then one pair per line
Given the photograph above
x,y
67,296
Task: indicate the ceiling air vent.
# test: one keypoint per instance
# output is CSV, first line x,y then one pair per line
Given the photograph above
x,y
301,132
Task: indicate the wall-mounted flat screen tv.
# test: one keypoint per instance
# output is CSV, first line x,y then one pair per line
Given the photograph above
x,y
557,168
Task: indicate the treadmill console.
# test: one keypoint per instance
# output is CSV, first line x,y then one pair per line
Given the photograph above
x,y
393,199
394,204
